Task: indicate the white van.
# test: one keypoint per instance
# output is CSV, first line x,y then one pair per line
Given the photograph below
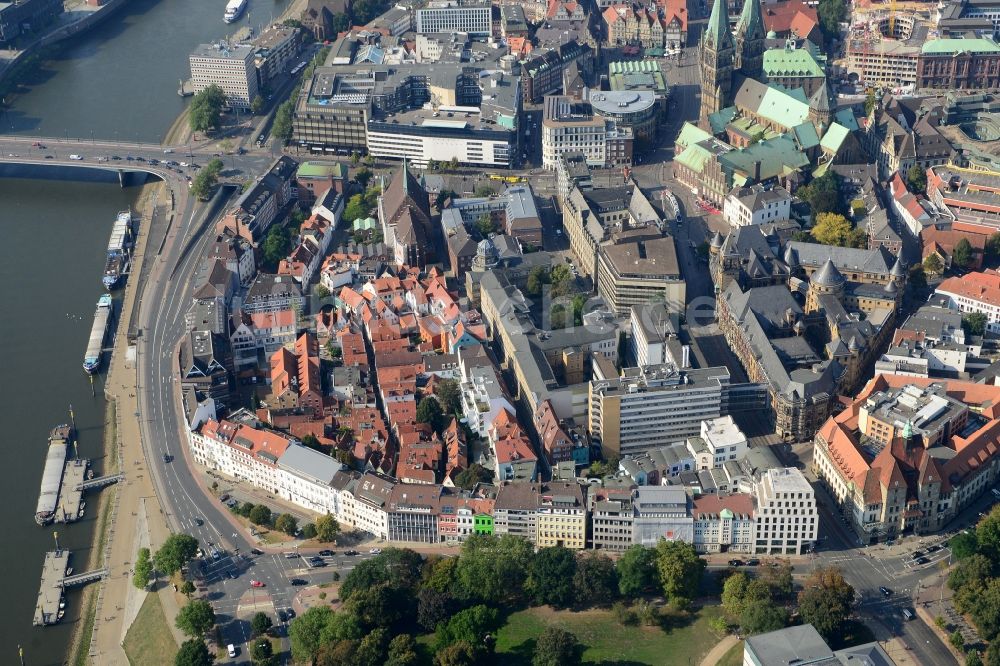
x,y
231,649
167,151
75,157
907,614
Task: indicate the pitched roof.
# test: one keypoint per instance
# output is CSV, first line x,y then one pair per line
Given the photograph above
x,y
717,32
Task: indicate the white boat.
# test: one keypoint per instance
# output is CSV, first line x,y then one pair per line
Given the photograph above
x,y
234,10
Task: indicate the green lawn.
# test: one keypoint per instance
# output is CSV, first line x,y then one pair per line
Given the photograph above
x,y
686,640
734,657
149,640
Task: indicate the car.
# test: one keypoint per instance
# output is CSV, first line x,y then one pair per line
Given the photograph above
x,y
199,522
318,564
291,613
129,158
75,157
256,583
350,552
907,614
140,159
116,158
326,553
215,554
291,555
48,157
184,164
935,548
241,151
921,560
375,551
282,615
223,497
231,650
917,553
298,581
194,166
886,592
255,551
167,151
232,574
167,457
735,563
753,562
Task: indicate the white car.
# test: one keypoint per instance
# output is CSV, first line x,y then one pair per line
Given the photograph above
x,y
231,650
75,157
184,164
375,551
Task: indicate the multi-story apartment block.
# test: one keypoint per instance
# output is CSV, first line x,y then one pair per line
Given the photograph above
x,y
724,523
561,515
787,517
975,292
661,512
611,518
455,16
755,205
274,51
724,440
231,67
652,406
514,511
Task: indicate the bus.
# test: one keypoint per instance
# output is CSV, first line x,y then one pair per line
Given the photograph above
x,y
507,179
299,67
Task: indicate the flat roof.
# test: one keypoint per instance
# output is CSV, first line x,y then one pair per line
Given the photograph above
x,y
622,101
645,259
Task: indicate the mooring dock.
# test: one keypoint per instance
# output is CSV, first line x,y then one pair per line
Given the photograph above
x,y
51,592
71,498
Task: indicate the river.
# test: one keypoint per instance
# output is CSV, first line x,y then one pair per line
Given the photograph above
x,y
117,81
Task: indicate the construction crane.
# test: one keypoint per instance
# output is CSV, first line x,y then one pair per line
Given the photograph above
x,y
892,18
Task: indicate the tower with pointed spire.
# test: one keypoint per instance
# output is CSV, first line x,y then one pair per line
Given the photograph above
x,y
716,62
821,109
749,43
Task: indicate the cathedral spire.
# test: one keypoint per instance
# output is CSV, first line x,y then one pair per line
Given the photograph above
x,y
717,35
716,62
750,37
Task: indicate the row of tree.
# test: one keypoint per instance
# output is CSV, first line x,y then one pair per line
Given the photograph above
x,y
400,593
975,580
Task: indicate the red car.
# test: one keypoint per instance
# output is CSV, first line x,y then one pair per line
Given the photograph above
x,y
256,583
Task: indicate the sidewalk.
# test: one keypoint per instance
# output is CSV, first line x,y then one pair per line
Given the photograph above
x,y
719,651
117,608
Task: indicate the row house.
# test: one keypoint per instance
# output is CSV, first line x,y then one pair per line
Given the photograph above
x,y
236,254
461,517
295,376
724,523
630,25
511,449
611,518
412,513
241,452
270,293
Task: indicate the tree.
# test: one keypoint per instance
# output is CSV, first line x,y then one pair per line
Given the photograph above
x,y
470,625
363,176
763,617
550,576
457,654
260,623
244,509
834,229
433,607
825,602
399,567
442,197
175,552
309,631
206,109
870,101
261,650
972,658
985,610
187,588
636,571
143,570
449,394
956,639
193,652
974,323
962,254
917,279
277,245
484,190
491,568
595,580
933,265
286,523
281,128
475,473
831,14
993,245
384,604
207,178
257,105
916,179
538,277
485,225
261,515
429,412
778,576
963,545
372,649
734,592
196,618
556,647
327,528
679,569
973,570
402,651
823,193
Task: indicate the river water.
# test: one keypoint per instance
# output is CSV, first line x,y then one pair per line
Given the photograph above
x,y
117,81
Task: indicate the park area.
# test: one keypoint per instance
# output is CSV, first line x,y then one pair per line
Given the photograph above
x,y
149,640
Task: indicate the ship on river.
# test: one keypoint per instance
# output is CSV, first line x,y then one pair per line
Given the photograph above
x,y
119,251
102,319
55,460
234,10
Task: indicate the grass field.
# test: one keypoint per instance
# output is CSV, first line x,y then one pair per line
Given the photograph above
x,y
149,640
686,639
734,657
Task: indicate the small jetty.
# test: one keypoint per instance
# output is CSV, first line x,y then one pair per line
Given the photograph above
x,y
65,479
57,575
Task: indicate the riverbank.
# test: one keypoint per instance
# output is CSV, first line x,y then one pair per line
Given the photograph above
x,y
109,523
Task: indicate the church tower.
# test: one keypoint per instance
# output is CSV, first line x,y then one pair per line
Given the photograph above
x,y
821,109
749,43
717,53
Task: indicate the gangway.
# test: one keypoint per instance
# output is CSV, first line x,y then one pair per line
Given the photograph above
x,y
100,482
83,578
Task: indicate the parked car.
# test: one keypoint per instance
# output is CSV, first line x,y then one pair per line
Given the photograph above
x,y
753,562
256,583
886,592
933,549
350,552
291,555
224,497
282,616
918,553
255,551
231,650
921,560
735,563
375,551
326,553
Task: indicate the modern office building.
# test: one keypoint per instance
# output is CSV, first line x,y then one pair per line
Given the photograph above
x,y
787,517
231,67
638,272
450,16
570,126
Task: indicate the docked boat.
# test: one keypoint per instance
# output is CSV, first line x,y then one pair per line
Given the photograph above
x,y
55,460
234,10
102,317
119,251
